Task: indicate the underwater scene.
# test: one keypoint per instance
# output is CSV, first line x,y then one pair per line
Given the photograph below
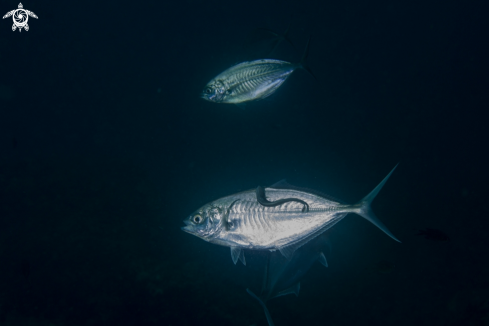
x,y
253,163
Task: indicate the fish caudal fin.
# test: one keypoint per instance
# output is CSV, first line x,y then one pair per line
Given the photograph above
x,y
267,313
303,64
363,207
286,37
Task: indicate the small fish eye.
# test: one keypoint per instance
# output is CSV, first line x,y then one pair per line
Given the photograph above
x,y
197,219
208,90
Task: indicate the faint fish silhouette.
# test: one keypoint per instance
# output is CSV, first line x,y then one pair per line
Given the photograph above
x,y
283,276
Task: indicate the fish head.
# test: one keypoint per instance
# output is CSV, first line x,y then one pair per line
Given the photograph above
x,y
215,91
206,223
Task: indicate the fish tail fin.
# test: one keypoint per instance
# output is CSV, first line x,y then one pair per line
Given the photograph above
x,y
279,38
303,64
267,313
286,35
363,207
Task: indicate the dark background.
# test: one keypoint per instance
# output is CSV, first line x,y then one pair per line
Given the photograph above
x,y
105,147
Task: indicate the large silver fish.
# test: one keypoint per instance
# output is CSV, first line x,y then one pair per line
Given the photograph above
x,y
251,80
281,217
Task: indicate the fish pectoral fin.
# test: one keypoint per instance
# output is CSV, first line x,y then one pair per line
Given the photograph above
x,y
237,253
322,260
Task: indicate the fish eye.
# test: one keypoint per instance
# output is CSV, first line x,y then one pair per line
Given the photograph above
x,y
197,219
208,90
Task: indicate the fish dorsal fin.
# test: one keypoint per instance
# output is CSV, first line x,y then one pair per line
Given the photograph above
x,y
322,260
237,253
283,184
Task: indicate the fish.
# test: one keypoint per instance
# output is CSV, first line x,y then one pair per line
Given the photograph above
x,y
280,217
251,80
283,276
434,234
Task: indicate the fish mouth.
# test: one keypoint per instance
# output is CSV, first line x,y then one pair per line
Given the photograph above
x,y
188,226
187,229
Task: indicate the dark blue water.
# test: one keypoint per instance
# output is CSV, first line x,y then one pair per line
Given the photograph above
x,y
106,147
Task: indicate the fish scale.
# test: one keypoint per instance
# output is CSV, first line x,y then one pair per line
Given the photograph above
x,y
285,222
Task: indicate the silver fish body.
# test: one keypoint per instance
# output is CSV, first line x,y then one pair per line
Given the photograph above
x,y
240,221
248,81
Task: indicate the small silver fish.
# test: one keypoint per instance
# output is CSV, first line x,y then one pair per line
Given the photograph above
x,y
251,80
281,217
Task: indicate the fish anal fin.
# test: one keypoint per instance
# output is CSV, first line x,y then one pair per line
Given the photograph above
x,y
288,251
242,257
322,260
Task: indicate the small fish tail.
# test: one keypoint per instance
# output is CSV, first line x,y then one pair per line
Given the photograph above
x,y
267,313
286,37
363,207
302,63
